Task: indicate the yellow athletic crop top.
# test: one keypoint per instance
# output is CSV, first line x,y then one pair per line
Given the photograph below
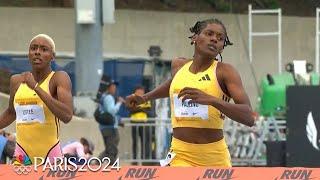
x,y
193,114
37,127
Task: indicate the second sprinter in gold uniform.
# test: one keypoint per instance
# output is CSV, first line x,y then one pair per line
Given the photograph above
x,y
199,91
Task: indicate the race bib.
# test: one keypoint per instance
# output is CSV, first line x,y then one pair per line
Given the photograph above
x,y
168,159
29,113
186,109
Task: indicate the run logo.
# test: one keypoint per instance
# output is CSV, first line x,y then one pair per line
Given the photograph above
x,y
140,173
62,175
224,174
296,174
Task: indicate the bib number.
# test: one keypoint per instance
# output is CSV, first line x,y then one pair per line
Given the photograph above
x,y
186,109
30,113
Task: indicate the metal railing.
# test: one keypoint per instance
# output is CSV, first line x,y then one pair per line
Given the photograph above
x,y
148,143
246,145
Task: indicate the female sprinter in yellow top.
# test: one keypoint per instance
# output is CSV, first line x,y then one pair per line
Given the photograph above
x,y
199,91
38,101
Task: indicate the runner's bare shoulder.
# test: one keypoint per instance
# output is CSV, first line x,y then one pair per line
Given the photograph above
x,y
15,81
224,70
177,63
61,76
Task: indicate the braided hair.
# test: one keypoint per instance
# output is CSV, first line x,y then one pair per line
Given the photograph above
x,y
200,25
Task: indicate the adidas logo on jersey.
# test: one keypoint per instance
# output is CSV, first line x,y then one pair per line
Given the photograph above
x,y
205,78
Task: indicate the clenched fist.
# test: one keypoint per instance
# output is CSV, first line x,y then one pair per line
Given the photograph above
x,y
29,80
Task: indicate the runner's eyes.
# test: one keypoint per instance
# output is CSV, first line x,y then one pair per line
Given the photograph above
x,y
42,48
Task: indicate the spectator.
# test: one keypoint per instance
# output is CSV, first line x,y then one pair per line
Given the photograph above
x,y
139,118
7,146
110,132
79,149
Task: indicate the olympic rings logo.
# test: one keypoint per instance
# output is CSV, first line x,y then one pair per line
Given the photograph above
x,y
22,169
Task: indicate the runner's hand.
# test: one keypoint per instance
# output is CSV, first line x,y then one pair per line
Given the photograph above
x,y
29,80
132,101
196,96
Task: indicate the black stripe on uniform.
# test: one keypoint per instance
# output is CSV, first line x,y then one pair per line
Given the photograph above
x,y
51,149
57,126
24,152
208,78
